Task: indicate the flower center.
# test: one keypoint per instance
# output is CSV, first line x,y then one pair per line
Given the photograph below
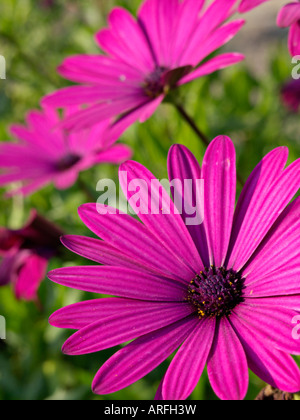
x,y
163,79
154,84
67,162
215,292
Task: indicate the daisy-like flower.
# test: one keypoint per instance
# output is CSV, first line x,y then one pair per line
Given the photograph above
x,y
225,292
247,5
147,58
25,254
45,154
289,16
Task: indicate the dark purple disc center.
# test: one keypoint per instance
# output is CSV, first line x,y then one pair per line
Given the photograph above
x,y
215,292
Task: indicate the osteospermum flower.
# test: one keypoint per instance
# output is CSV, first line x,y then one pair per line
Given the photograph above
x,y
289,16
45,154
25,254
146,58
224,292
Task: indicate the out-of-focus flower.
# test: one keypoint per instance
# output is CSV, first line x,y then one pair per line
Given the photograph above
x,y
46,154
247,5
25,254
226,291
47,4
146,58
289,16
290,94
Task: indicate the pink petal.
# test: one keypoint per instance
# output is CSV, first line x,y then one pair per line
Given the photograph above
x,y
288,301
99,70
83,314
206,29
189,11
289,15
132,238
182,165
247,5
253,217
141,113
273,366
95,113
119,281
217,63
30,277
149,20
66,179
79,95
209,42
187,366
126,40
217,12
124,326
32,138
43,128
102,253
158,395
141,356
149,109
279,251
294,39
227,364
284,281
271,325
115,155
219,173
158,213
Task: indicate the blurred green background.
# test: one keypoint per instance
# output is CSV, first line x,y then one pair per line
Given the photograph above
x,y
35,36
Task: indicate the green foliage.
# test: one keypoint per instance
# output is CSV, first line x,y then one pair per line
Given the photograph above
x,y
35,39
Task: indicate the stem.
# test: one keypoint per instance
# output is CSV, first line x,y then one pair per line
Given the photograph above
x,y
199,133
192,124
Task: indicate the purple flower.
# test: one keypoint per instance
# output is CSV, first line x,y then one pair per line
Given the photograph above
x,y
289,16
25,255
225,292
45,154
146,58
290,94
